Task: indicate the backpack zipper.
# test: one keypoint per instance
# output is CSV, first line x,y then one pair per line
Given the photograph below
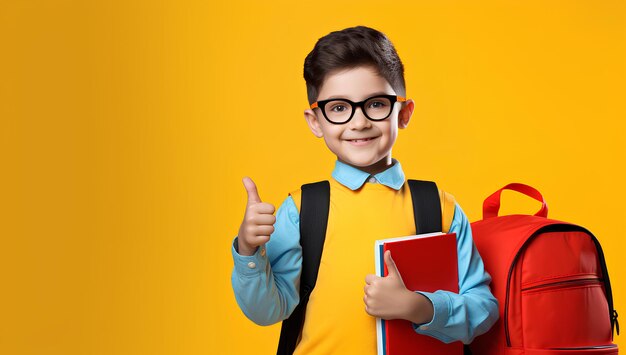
x,y
612,346
562,227
564,283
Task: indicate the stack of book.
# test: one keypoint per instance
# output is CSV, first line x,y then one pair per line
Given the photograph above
x,y
426,262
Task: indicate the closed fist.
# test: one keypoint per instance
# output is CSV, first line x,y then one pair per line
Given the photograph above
x,y
388,298
258,221
385,297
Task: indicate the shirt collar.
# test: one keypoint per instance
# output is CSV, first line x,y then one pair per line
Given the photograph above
x,y
354,178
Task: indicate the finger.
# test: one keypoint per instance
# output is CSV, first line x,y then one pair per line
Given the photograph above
x,y
261,239
369,310
253,194
370,278
264,207
392,270
264,230
263,219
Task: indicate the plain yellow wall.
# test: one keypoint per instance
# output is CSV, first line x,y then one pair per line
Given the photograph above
x,y
126,127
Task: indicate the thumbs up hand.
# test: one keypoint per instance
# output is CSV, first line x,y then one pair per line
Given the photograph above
x,y
258,221
388,298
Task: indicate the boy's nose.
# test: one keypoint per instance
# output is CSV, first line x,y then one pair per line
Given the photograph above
x,y
359,121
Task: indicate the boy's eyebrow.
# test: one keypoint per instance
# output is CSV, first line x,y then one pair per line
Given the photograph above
x,y
370,95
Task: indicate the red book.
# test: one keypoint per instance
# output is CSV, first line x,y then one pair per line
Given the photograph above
x,y
426,262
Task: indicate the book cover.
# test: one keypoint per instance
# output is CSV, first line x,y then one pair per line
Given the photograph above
x,y
426,262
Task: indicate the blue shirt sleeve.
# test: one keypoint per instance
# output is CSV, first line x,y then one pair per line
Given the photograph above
x,y
266,284
474,309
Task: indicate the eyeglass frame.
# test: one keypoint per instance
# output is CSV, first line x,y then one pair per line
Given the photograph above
x,y
392,98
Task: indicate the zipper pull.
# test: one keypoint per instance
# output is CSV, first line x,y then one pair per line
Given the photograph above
x,y
614,322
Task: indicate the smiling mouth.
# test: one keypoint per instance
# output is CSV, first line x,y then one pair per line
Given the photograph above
x,y
360,140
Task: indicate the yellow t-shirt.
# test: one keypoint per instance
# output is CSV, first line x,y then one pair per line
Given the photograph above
x,y
335,320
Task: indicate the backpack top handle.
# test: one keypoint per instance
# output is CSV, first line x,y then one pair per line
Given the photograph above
x,y
491,206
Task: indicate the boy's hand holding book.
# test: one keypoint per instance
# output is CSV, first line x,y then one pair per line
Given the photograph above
x,y
258,221
388,298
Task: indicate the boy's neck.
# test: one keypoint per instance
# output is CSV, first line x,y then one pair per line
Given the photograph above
x,y
375,168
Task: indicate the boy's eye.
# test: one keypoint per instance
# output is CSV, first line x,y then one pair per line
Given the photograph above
x,y
338,108
377,104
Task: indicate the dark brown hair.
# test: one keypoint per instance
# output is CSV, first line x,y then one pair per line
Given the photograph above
x,y
350,48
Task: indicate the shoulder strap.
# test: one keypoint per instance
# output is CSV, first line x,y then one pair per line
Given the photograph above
x,y
426,206
314,208
448,205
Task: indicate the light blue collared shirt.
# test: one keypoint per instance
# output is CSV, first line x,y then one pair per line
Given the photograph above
x,y
266,284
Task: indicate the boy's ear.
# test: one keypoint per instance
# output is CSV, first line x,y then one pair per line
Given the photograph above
x,y
404,116
313,122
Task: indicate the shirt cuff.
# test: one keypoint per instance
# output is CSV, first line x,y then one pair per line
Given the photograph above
x,y
249,265
441,313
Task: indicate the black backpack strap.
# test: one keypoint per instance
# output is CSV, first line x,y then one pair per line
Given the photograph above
x,y
426,206
314,209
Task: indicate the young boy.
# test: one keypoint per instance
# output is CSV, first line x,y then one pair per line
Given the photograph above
x,y
355,85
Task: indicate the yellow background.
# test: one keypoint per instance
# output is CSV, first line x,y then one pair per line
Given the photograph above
x,y
126,127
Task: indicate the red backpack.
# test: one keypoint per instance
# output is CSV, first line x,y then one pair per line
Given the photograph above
x,y
551,282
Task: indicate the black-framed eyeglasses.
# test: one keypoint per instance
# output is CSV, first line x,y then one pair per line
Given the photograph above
x,y
340,111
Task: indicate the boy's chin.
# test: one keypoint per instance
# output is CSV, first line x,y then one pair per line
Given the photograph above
x,y
360,163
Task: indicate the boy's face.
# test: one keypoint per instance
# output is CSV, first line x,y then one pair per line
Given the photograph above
x,y
357,84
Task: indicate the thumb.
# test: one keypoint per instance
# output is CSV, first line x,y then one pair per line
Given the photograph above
x,y
253,194
392,269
